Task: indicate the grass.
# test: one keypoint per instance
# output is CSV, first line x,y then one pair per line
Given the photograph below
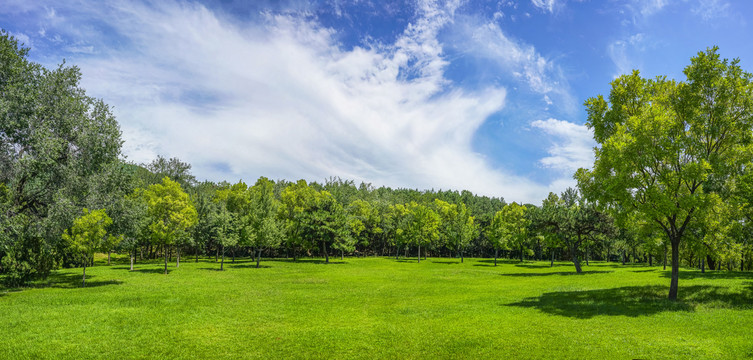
x,y
378,308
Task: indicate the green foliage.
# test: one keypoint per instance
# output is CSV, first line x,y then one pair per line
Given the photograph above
x,y
89,234
54,141
667,146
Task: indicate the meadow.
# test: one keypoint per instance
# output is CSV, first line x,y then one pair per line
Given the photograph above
x,y
378,308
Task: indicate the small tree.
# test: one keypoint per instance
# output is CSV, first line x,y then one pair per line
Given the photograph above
x,y
171,213
87,235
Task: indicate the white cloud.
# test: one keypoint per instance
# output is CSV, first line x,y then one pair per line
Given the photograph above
x,y
546,5
281,98
572,148
711,9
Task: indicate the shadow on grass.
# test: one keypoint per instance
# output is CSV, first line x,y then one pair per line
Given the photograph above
x,y
532,266
304,261
71,281
446,262
635,301
250,266
709,274
565,273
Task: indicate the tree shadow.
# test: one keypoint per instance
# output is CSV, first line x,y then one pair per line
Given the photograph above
x,y
710,274
532,266
250,266
499,261
446,262
635,301
303,261
211,269
71,281
563,273
138,270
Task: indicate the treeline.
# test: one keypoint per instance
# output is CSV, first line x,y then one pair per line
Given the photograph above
x,y
66,193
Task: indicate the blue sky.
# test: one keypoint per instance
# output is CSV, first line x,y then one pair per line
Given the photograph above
x,y
479,95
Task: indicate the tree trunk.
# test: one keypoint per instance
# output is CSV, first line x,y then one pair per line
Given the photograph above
x,y
165,261
419,252
710,261
83,283
496,253
551,264
133,256
222,263
521,253
675,269
216,253
461,256
650,260
108,257
258,258
326,256
232,250
177,257
574,254
342,257
703,265
587,256
623,257
665,257
397,253
197,254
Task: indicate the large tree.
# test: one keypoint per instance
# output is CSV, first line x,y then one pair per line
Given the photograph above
x,y
53,137
666,146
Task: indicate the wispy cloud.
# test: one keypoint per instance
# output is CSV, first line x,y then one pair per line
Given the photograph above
x,y
546,5
711,9
572,147
280,97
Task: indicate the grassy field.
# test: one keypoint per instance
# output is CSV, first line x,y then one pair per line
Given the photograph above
x,y
379,308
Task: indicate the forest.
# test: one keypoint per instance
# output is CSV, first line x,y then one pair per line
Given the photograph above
x,y
671,186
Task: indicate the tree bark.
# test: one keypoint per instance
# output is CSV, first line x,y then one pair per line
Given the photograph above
x,y
342,257
675,269
551,264
326,256
83,283
108,257
665,257
650,260
232,250
587,256
133,256
177,257
216,253
222,263
703,266
521,253
258,258
496,253
574,254
419,252
165,261
461,256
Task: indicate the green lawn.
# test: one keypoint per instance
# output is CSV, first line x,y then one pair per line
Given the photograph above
x,y
379,308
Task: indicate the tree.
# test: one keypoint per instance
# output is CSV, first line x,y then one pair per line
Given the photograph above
x,y
171,213
457,225
52,139
666,146
87,235
514,226
420,225
573,220
495,233
264,228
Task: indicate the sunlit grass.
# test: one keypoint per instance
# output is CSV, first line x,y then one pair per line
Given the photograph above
x,y
378,308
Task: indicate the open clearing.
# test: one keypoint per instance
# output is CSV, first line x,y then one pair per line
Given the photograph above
x,y
379,308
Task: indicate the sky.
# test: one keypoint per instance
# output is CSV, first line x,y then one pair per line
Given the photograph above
x,y
485,96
